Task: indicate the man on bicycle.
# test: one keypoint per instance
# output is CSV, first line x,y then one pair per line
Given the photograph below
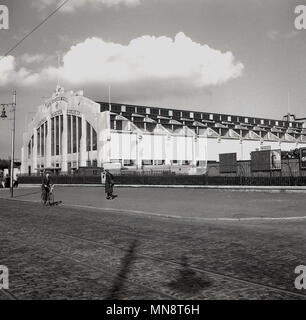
x,y
46,186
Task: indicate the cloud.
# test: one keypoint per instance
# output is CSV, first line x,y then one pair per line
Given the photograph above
x,y
11,75
73,5
147,58
147,66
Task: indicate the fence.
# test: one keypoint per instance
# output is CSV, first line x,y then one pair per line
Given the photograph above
x,y
172,179
289,168
289,175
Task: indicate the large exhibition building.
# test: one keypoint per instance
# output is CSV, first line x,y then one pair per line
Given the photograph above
x,y
71,131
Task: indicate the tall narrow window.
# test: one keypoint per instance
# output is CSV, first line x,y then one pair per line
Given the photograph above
x,y
46,134
94,139
61,134
38,142
52,137
74,134
43,140
88,137
79,133
57,136
29,149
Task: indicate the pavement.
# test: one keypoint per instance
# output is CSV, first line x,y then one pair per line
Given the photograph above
x,y
152,243
182,203
242,188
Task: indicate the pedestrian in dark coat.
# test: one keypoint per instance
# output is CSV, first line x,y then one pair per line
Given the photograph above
x,y
7,181
109,185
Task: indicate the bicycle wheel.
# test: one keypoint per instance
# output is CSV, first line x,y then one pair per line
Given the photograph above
x,y
51,199
43,198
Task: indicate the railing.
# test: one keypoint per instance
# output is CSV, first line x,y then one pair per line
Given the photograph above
x,y
171,179
290,175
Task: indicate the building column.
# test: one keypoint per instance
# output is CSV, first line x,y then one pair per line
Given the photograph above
x,y
64,150
138,151
48,144
45,144
55,142
194,142
103,138
59,139
71,140
169,149
77,142
40,145
83,153
34,169
91,145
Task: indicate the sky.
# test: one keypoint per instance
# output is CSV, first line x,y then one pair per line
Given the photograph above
x,y
241,57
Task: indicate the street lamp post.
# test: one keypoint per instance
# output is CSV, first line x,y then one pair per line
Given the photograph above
x,y
4,116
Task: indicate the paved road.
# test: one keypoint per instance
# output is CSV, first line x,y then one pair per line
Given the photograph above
x,y
70,252
186,203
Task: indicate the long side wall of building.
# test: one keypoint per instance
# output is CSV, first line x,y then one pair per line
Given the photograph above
x,y
71,131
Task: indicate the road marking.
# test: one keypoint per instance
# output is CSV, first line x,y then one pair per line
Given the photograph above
x,y
191,218
164,215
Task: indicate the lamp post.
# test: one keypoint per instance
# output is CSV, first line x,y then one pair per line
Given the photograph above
x,y
4,116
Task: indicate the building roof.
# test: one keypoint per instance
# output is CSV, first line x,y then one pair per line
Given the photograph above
x,y
188,115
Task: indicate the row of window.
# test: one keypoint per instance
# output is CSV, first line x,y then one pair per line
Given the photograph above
x,y
74,135
41,139
56,135
149,127
71,164
76,165
195,115
132,162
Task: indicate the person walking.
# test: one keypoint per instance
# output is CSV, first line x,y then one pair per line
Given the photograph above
x,y
46,186
7,181
16,182
109,185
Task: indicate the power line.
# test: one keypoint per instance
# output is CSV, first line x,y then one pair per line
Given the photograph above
x,y
32,31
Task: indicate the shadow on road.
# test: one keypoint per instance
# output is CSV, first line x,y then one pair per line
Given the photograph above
x,y
27,194
121,277
55,203
187,280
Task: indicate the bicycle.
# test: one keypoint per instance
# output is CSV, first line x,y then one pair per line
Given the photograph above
x,y
50,196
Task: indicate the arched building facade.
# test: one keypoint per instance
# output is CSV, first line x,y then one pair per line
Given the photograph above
x,y
70,131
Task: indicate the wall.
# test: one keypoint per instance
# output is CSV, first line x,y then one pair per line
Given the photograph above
x,y
290,168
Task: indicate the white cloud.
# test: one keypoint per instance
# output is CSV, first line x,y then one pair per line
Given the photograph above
x,y
11,75
148,58
147,66
73,5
